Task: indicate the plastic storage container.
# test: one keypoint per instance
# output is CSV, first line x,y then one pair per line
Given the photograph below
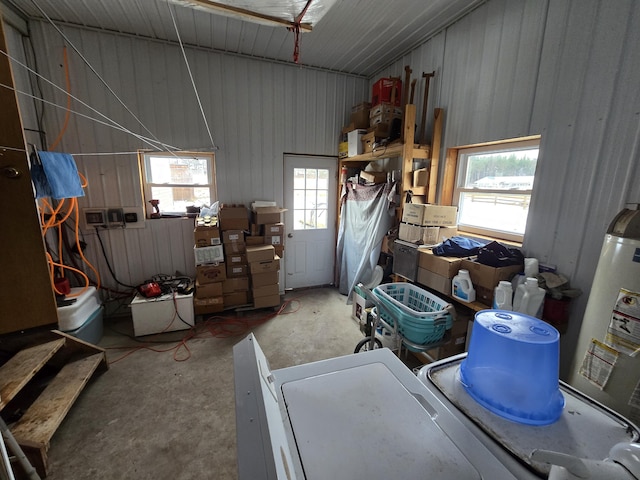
x,y
503,296
512,367
529,298
462,288
83,318
422,317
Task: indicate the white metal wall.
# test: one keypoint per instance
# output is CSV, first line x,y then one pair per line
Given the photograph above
x,y
256,111
567,70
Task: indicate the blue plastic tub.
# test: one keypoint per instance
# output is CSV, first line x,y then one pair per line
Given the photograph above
x,y
512,367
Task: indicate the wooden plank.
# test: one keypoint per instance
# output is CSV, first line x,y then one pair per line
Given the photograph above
x,y
449,178
435,154
21,368
45,415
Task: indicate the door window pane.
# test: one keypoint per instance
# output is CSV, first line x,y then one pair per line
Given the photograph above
x,y
310,198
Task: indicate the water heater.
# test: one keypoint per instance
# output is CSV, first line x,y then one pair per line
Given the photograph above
x,y
606,363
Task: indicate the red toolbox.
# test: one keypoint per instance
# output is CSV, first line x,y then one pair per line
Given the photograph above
x,y
386,89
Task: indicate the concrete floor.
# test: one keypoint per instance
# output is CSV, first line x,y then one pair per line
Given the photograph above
x,y
152,416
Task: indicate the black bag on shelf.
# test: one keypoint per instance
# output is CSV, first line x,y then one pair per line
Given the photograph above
x,y
495,254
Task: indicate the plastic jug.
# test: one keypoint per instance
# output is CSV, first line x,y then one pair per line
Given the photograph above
x,y
529,298
462,288
502,296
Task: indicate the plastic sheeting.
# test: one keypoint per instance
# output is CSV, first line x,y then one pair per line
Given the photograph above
x,y
367,214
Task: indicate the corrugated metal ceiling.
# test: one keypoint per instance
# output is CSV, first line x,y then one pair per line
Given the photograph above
x,y
359,37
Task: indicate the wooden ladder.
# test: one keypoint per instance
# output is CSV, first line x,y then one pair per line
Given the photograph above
x,y
64,364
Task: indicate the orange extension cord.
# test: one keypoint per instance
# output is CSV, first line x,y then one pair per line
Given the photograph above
x,y
217,326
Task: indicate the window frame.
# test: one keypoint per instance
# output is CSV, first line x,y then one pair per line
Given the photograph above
x,y
146,185
456,165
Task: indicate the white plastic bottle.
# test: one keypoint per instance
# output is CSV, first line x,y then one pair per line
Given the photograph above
x,y
462,288
502,296
529,298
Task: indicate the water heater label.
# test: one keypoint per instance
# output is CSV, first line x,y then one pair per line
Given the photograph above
x,y
636,255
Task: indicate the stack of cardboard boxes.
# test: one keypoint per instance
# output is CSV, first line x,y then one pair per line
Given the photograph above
x,y
208,253
265,247
427,224
234,221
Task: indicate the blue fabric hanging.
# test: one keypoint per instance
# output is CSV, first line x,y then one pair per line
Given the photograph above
x,y
56,176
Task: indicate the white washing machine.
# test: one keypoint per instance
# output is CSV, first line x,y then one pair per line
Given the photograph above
x,y
367,416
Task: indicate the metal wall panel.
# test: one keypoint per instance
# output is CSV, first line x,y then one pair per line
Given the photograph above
x,y
566,70
256,111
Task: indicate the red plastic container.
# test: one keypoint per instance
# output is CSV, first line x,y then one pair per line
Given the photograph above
x,y
383,91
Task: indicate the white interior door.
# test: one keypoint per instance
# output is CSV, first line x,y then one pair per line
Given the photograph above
x,y
310,220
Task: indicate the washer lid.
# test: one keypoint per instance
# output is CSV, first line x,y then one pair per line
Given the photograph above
x,y
362,422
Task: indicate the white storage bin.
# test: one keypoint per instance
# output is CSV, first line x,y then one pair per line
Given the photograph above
x,y
75,315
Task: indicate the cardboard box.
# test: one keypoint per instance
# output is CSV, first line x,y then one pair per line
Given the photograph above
x,y
273,240
385,108
236,259
206,236
265,266
368,140
354,138
272,229
259,253
266,290
237,284
386,90
257,240
445,266
235,248
210,273
238,270
236,299
429,279
457,343
233,236
212,254
266,278
279,250
421,177
486,278
436,235
410,233
373,177
204,306
360,305
208,289
270,301
265,215
429,215
233,217
360,115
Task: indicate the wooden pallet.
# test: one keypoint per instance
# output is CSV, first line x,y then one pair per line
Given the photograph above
x,y
74,362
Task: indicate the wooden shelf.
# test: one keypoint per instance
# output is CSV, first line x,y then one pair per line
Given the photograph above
x,y
390,151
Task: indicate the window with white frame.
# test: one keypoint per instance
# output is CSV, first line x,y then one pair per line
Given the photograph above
x,y
494,182
177,180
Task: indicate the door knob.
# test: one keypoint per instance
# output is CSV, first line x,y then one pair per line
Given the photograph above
x,y
11,172
290,235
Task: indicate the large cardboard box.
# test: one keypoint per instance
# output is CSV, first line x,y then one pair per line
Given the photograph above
x,y
410,233
234,248
206,236
211,254
445,266
373,177
207,290
259,253
266,290
236,259
429,215
233,236
272,229
279,250
237,270
269,301
436,235
265,215
457,343
486,278
265,266
233,217
254,240
439,283
204,306
360,115
354,138
235,299
211,273
238,284
368,140
262,279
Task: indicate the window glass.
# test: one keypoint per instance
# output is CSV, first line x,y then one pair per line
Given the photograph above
x,y
310,198
178,180
494,186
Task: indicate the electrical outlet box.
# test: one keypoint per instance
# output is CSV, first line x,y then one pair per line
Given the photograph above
x,y
112,217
